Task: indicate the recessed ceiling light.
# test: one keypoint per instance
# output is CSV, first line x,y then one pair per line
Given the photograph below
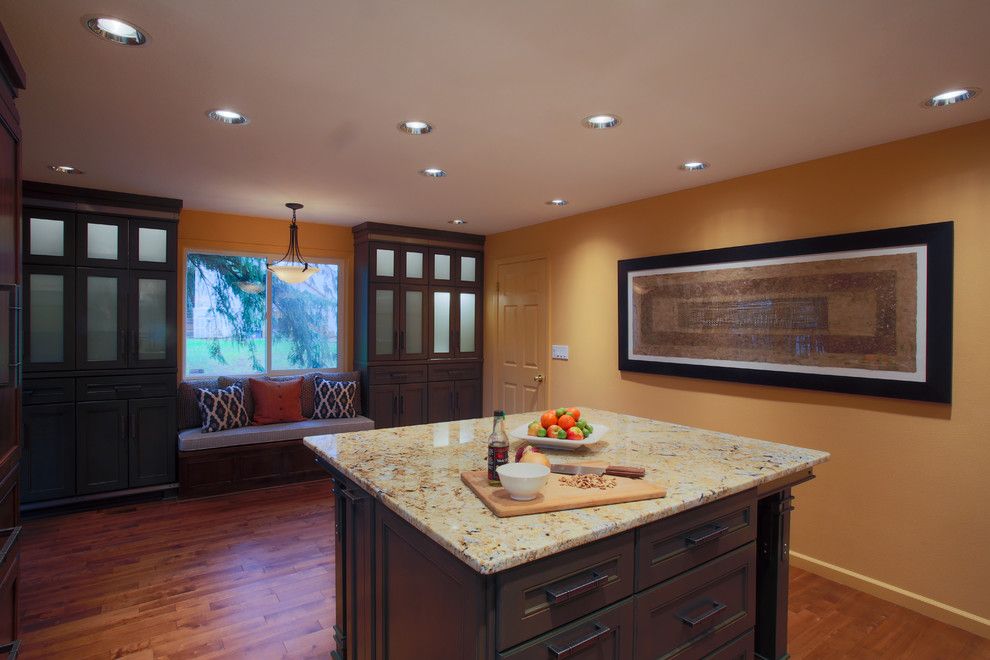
x,y
415,127
602,121
116,30
457,221
557,202
951,97
65,169
694,166
227,116
434,172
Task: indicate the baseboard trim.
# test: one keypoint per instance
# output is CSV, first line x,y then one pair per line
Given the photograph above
x,y
912,601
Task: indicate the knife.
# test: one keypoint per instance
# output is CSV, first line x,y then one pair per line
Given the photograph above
x,y
613,470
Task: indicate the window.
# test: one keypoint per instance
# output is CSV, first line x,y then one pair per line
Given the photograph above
x,y
241,320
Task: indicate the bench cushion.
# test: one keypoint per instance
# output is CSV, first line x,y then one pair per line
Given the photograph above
x,y
195,439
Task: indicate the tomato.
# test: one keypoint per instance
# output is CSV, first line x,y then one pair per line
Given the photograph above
x,y
548,419
565,422
553,430
574,433
575,413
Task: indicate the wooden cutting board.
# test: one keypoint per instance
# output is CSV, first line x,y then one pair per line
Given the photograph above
x,y
555,496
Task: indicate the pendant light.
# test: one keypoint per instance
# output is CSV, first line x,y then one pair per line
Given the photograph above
x,y
292,268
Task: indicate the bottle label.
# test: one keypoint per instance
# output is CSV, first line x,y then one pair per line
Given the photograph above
x,y
496,456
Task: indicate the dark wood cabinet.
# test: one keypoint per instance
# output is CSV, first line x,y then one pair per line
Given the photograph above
x,y
101,318
151,441
101,241
418,304
49,328
101,446
151,319
49,237
48,468
152,244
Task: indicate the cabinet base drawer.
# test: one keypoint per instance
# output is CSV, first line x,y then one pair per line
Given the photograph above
x,y
107,388
604,635
48,390
413,373
455,371
696,613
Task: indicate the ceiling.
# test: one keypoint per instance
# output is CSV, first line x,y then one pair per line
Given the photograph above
x,y
747,86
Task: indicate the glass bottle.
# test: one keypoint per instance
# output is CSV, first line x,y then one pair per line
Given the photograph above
x,y
498,447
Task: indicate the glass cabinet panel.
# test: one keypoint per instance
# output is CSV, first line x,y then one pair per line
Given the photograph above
x,y
152,319
102,323
468,268
413,322
441,322
441,266
102,241
414,265
384,262
384,322
46,318
47,237
466,327
152,245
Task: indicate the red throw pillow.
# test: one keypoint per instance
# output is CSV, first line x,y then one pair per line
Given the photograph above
x,y
276,401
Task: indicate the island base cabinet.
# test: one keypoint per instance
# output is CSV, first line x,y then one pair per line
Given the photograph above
x,y
604,635
353,548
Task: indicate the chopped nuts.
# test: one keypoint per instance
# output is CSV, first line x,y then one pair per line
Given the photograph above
x,y
601,482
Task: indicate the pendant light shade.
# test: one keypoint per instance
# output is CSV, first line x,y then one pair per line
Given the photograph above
x,y
293,268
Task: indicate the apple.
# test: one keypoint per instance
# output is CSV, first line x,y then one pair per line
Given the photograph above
x,y
574,433
553,431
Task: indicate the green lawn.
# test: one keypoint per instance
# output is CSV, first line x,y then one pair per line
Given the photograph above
x,y
237,356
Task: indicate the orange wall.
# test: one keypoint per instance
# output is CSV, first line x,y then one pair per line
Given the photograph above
x,y
904,499
205,230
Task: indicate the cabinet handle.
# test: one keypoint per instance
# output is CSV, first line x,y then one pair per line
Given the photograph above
x,y
693,621
395,405
123,428
560,652
134,346
355,499
395,341
402,404
558,594
457,401
706,534
402,341
134,433
125,344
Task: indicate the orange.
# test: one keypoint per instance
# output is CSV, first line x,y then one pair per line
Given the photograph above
x,y
575,413
566,421
548,419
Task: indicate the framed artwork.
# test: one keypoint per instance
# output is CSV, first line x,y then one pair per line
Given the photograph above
x,y
867,313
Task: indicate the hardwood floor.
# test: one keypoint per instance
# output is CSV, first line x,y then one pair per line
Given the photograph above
x,y
250,575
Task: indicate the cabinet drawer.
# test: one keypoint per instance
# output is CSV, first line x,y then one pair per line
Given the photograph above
x,y
741,648
413,373
604,635
48,390
462,371
537,597
103,388
674,545
695,613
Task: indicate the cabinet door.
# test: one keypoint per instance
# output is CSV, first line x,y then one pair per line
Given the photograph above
x,y
49,237
382,405
152,322
152,244
101,241
415,265
383,324
441,401
442,321
385,262
101,319
414,322
469,268
443,266
151,441
467,399
49,315
48,464
412,404
468,324
101,446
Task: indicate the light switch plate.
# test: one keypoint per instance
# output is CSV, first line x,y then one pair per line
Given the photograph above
x,y
559,352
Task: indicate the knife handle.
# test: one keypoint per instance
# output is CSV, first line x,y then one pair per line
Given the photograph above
x,y
626,471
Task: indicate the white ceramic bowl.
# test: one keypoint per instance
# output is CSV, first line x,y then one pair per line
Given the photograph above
x,y
523,480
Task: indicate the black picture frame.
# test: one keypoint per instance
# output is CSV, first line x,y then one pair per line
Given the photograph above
x,y
937,386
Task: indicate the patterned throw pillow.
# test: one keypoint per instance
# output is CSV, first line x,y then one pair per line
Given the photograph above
x,y
335,398
222,408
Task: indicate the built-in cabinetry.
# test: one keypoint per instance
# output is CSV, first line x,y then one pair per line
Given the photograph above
x,y
99,343
418,319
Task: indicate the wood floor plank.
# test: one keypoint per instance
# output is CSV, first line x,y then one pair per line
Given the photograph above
x,y
251,575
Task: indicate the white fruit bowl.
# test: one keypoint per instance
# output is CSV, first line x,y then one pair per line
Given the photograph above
x,y
519,433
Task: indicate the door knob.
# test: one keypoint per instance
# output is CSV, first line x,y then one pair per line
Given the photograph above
x,y
538,378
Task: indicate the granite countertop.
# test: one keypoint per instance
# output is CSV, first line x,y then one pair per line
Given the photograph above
x,y
415,472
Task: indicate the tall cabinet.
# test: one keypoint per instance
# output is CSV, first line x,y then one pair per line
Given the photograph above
x,y
12,80
100,296
417,323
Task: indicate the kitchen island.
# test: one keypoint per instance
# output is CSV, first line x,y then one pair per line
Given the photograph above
x,y
425,570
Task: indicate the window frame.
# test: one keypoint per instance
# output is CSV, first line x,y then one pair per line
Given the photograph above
x,y
343,302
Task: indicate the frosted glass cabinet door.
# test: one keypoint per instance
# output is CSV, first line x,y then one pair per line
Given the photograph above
x,y
414,265
442,264
414,322
442,323
49,324
49,237
101,241
384,323
386,264
152,307
101,337
467,323
152,244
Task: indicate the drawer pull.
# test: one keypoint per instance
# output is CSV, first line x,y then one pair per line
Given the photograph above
x,y
569,590
128,388
706,534
600,633
693,621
